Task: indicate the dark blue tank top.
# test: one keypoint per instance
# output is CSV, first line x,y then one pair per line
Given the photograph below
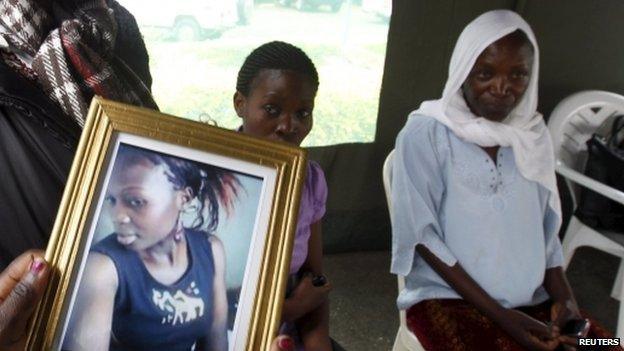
x,y
152,316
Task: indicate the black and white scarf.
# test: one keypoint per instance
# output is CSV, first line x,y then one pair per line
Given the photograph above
x,y
68,46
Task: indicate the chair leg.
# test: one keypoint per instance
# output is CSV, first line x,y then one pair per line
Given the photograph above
x,y
616,293
406,341
398,342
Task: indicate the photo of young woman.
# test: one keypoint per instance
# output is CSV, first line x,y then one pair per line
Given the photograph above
x,y
157,281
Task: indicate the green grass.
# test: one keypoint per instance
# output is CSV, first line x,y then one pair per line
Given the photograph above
x,y
197,79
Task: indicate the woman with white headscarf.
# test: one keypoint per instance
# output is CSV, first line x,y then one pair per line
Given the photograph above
x,y
475,204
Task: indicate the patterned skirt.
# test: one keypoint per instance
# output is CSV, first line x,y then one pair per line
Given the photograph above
x,y
456,325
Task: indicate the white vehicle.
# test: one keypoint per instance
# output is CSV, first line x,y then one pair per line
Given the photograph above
x,y
381,8
188,19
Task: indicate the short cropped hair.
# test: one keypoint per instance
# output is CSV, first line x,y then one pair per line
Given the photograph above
x,y
275,55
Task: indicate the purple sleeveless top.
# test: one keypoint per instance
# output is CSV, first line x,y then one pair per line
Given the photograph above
x,y
311,210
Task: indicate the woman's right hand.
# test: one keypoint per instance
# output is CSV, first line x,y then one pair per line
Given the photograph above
x,y
307,296
529,332
22,285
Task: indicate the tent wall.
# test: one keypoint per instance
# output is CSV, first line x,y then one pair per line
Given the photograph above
x,y
581,48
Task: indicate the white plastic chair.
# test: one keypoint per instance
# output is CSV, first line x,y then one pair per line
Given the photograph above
x,y
571,124
405,339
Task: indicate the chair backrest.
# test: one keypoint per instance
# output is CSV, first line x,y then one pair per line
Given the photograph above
x,y
574,120
387,178
387,182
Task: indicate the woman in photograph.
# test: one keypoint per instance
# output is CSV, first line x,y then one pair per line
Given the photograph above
x,y
155,284
275,93
476,209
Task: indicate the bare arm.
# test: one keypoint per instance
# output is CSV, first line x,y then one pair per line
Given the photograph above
x,y
91,323
557,286
307,297
314,326
524,329
218,331
463,284
564,307
293,308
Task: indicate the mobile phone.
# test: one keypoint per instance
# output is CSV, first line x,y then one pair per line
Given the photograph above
x,y
576,327
319,280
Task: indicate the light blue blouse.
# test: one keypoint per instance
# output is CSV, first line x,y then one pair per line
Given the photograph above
x,y
450,196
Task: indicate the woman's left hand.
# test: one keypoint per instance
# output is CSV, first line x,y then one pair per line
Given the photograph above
x,y
560,313
282,343
22,285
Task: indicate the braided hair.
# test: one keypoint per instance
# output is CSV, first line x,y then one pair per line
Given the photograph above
x,y
275,55
211,185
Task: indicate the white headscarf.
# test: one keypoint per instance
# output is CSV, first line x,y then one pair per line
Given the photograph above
x,y
523,129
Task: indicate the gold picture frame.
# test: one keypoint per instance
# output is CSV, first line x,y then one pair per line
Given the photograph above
x,y
280,167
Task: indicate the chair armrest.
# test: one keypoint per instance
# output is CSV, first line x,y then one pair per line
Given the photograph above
x,y
590,183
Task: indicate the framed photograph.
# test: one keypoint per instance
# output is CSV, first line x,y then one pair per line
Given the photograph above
x,y
171,235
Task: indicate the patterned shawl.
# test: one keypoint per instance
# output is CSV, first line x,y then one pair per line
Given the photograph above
x,y
68,48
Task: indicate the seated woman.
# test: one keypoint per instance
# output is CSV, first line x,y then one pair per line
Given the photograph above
x,y
275,92
154,284
475,204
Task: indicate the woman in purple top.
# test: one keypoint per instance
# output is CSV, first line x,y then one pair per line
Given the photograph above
x,y
275,93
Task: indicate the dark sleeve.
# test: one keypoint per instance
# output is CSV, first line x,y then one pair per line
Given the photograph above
x,y
34,164
129,44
